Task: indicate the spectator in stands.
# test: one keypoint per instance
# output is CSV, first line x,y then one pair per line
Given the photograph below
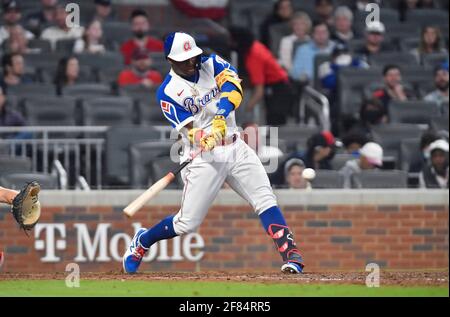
x,y
67,73
303,64
328,73
426,139
370,157
430,42
61,31
104,11
393,88
375,43
324,11
269,80
17,41
353,142
9,117
140,27
343,21
435,173
140,72
11,17
440,95
252,137
92,40
282,12
45,17
372,113
293,170
14,71
301,27
320,151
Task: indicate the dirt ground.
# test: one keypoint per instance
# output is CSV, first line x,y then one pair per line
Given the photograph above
x,y
407,278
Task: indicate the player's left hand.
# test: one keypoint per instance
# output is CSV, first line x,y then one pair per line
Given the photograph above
x,y
218,132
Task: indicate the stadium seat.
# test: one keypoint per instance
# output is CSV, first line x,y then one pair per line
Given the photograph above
x,y
40,46
277,32
383,179
47,74
419,77
328,179
109,111
141,157
389,136
351,83
399,58
160,168
32,90
296,136
117,31
415,112
91,90
409,43
439,123
101,61
432,60
9,164
339,160
18,180
117,144
410,153
42,60
51,111
425,16
65,46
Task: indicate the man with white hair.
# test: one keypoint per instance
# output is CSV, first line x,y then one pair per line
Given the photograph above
x,y
343,20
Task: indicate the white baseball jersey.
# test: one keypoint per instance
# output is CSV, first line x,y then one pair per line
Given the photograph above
x,y
237,164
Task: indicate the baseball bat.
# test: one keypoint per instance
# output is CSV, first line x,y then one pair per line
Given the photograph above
x,y
153,190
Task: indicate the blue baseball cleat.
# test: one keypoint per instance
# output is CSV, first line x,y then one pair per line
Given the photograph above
x,y
292,268
134,254
294,264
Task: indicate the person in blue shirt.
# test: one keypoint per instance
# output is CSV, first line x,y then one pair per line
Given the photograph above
x,y
303,64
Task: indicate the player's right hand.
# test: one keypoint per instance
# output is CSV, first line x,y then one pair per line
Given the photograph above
x,y
208,142
195,135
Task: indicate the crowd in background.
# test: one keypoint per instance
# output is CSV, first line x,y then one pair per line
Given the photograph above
x,y
275,71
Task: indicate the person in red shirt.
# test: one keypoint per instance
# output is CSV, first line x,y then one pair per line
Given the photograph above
x,y
140,71
269,80
140,26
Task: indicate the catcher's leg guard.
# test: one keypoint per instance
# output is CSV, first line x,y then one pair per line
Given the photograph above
x,y
284,241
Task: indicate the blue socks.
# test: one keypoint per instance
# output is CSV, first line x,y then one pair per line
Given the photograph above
x,y
271,216
161,231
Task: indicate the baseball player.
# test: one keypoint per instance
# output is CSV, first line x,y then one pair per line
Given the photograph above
x,y
198,98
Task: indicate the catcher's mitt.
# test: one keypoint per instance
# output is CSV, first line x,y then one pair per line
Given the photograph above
x,y
26,208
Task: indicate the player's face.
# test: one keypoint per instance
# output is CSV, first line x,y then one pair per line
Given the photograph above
x,y
185,68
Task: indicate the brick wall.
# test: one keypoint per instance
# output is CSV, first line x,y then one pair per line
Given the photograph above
x,y
331,236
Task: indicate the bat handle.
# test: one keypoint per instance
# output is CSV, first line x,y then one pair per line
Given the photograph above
x,y
184,164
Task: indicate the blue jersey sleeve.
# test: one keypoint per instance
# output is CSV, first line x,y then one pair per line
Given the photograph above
x,y
176,114
220,64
